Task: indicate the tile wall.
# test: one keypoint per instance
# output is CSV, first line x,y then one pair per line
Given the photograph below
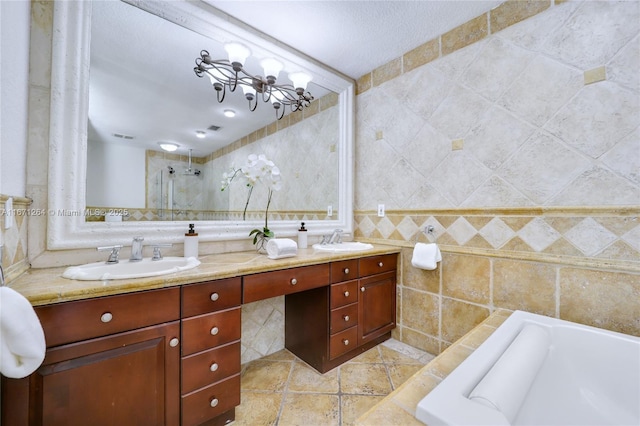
x,y
517,137
14,234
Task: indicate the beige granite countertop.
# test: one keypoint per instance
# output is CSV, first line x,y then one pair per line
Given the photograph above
x,y
45,286
399,407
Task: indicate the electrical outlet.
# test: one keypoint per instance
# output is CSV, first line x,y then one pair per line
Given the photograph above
x,y
380,210
329,211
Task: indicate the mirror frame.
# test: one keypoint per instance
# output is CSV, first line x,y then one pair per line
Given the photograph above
x,y
66,225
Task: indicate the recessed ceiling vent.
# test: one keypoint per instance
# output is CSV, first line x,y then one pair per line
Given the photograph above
x,y
213,128
121,136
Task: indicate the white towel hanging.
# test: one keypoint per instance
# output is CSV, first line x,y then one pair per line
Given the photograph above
x,y
22,344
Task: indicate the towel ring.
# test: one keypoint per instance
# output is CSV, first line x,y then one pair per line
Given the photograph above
x,y
428,231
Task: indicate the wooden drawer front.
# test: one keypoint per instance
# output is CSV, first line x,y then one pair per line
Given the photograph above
x,y
377,264
210,330
278,283
211,296
85,319
344,270
209,402
343,318
344,294
210,366
343,342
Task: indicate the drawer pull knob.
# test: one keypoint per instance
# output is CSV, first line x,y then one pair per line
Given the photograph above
x,y
214,297
362,289
346,271
214,331
214,367
346,294
214,402
346,317
174,342
380,264
294,281
106,317
346,342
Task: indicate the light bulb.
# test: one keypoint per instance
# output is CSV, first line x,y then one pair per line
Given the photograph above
x,y
229,113
238,53
272,67
300,79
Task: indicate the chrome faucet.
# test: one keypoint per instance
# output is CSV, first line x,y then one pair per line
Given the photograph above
x,y
136,249
334,238
113,255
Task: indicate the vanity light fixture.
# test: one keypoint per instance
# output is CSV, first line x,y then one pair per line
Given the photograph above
x,y
200,134
229,113
229,74
168,146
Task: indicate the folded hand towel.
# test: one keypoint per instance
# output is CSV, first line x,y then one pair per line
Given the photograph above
x,y
426,256
22,345
277,248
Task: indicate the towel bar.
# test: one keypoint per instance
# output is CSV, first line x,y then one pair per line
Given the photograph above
x,y
428,231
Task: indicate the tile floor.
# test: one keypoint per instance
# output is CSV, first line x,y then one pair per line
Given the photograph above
x,y
280,389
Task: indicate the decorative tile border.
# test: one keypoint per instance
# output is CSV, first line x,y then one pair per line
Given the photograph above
x,y
607,236
508,13
14,253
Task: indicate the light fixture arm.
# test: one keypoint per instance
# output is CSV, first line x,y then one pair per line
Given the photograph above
x,y
223,74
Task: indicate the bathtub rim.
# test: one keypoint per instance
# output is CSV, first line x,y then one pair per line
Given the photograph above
x,y
448,402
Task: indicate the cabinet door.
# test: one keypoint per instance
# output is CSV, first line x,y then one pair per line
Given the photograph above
x,y
127,378
377,313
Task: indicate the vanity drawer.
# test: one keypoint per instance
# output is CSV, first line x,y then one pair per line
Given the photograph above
x,y
277,283
211,296
85,319
210,330
211,366
378,264
343,318
209,402
343,342
344,270
344,294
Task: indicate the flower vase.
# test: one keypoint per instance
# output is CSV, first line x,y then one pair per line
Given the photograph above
x,y
261,244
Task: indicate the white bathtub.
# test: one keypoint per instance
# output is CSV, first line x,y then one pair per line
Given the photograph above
x,y
536,370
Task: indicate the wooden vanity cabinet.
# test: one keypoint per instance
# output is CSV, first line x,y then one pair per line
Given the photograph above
x,y
329,325
211,325
108,362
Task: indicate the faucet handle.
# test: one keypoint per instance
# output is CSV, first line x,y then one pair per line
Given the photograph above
x,y
157,255
115,252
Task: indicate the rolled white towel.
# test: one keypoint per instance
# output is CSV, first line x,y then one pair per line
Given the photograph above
x,y
22,344
277,248
426,256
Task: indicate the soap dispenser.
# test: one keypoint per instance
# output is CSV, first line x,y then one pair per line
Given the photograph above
x,y
191,243
302,237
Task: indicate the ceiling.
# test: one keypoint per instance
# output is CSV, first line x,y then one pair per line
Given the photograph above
x,y
354,37
142,65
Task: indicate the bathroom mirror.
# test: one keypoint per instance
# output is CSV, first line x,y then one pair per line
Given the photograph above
x,y
135,104
68,169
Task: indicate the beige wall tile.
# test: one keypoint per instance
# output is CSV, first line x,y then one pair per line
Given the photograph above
x,y
514,11
421,341
420,311
442,366
421,55
607,300
466,277
419,279
386,72
526,286
363,84
458,318
464,35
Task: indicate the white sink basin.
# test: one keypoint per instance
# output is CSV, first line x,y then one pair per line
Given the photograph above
x,y
126,269
343,247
